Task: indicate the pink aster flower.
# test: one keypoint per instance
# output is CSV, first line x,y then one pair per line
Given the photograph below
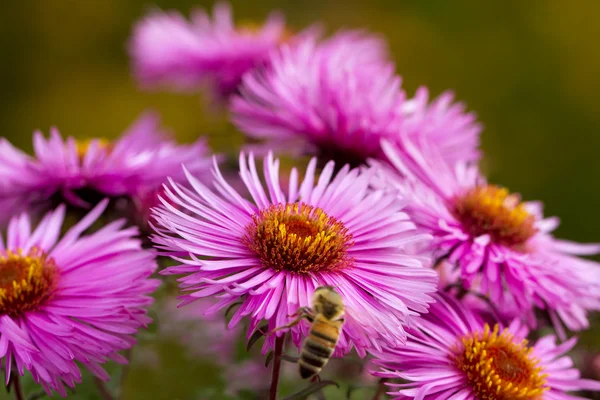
x,y
71,299
335,98
453,354
441,124
503,246
450,283
136,163
167,49
18,176
339,97
273,251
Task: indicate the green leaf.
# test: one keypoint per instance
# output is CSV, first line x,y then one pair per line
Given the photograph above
x,y
354,388
37,395
312,388
246,395
230,308
269,358
258,333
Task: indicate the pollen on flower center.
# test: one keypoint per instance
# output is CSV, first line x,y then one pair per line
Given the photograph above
x,y
494,211
26,280
84,145
299,238
498,368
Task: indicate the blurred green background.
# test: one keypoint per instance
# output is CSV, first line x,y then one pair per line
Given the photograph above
x,y
529,69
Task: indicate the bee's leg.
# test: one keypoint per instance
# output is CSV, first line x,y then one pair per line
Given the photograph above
x,y
302,310
302,313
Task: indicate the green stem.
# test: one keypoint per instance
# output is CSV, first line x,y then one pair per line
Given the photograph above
x,y
15,381
380,389
102,390
276,367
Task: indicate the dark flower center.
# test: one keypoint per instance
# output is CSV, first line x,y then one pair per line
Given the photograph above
x,y
494,211
27,281
343,155
298,238
498,368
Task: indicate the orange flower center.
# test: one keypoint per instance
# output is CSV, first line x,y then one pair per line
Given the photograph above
x,y
298,238
26,281
498,368
494,211
84,145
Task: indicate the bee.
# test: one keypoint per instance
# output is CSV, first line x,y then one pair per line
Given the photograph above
x,y
326,325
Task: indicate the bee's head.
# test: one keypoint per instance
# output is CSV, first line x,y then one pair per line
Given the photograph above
x,y
328,302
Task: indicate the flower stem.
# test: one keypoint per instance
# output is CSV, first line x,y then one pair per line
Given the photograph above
x,y
276,367
380,389
15,380
102,390
37,395
124,371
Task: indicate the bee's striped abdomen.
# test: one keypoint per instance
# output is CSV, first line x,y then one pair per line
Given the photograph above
x,y
318,347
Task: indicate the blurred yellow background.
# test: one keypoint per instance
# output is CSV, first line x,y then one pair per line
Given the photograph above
x,y
529,69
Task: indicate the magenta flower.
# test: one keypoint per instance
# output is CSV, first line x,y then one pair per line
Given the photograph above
x,y
272,252
334,98
450,282
339,97
76,299
503,246
138,162
167,49
19,176
441,124
453,354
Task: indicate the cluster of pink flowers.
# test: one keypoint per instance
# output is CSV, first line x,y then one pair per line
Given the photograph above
x,y
442,274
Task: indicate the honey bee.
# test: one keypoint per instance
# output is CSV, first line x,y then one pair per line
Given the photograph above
x,y
326,319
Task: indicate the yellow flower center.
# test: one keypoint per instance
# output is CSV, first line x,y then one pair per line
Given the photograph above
x,y
494,211
26,281
298,238
498,368
84,145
